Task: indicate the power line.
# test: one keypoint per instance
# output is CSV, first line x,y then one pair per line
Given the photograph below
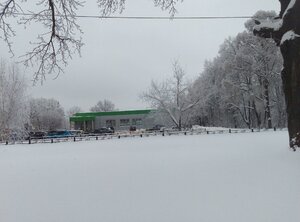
x,y
146,17
168,18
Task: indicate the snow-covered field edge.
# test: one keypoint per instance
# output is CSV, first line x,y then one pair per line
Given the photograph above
x,y
195,130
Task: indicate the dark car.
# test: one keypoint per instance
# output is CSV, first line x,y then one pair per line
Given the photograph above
x,y
36,135
103,130
157,127
132,128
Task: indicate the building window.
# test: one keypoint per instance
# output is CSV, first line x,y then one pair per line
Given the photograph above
x,y
124,122
110,123
136,122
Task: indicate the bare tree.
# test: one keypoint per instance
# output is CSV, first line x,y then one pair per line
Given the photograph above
x,y
103,106
46,114
73,110
171,96
285,30
70,112
13,110
62,36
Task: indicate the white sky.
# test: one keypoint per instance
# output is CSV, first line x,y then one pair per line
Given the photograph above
x,y
121,57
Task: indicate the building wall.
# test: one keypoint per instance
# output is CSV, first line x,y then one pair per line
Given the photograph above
x,y
84,125
119,120
123,122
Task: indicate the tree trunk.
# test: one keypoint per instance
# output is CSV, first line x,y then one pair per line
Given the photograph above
x,y
267,105
287,36
179,123
291,84
257,115
249,115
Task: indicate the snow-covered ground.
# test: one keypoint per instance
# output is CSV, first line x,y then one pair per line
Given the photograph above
x,y
251,177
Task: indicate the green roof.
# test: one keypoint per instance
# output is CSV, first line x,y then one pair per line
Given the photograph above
x,y
79,117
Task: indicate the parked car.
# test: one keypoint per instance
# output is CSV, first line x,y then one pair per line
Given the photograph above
x,y
59,134
132,128
76,132
37,135
103,130
175,128
157,127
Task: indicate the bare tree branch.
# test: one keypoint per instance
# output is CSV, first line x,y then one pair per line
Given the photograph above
x,y
168,5
111,6
55,47
8,9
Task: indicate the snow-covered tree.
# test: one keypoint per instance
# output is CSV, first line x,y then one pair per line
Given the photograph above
x,y
103,106
70,112
171,97
253,68
73,110
285,30
241,86
211,109
13,97
46,114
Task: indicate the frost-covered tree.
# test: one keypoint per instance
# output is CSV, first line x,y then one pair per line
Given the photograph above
x,y
13,97
242,84
46,114
253,68
103,106
61,38
70,112
171,97
73,110
211,110
285,30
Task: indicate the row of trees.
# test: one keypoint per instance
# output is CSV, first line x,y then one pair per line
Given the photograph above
x,y
19,112
48,114
241,87
12,97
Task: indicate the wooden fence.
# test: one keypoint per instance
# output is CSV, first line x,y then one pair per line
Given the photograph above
x,y
120,135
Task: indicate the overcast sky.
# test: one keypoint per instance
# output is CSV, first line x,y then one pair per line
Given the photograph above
x,y
121,57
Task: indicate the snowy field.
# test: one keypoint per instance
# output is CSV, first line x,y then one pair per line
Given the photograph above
x,y
251,177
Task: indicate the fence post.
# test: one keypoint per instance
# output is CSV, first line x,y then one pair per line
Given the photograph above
x,y
51,140
229,130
